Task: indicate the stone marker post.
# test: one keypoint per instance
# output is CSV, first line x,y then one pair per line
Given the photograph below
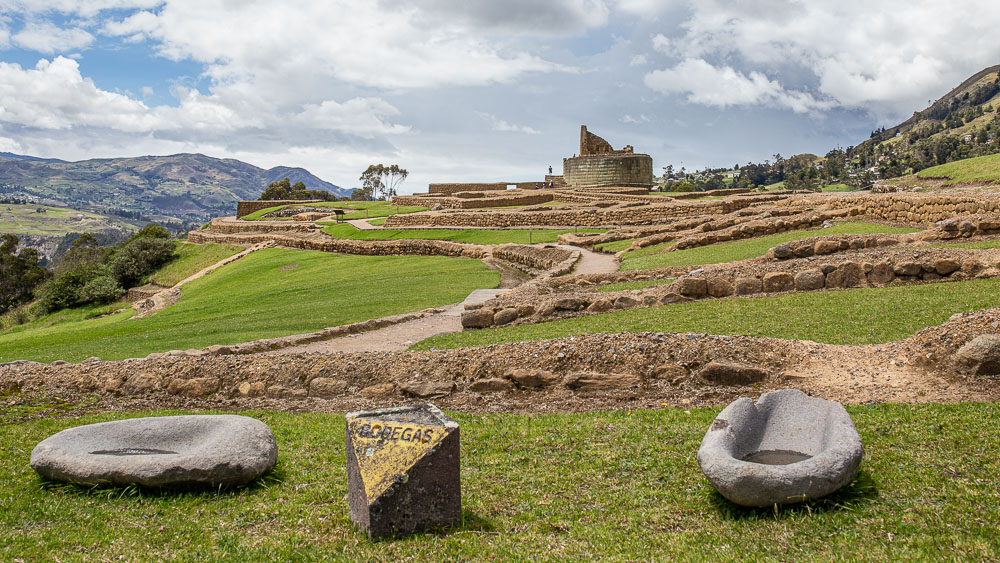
x,y
403,470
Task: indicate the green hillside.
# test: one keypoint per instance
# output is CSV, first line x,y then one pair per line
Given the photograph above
x,y
191,187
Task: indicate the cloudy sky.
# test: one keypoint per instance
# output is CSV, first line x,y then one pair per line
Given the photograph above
x,y
462,90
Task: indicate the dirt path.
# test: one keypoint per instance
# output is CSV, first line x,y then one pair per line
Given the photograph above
x,y
398,337
362,225
593,262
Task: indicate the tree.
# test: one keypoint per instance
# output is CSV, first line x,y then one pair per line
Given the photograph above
x,y
379,182
284,189
19,273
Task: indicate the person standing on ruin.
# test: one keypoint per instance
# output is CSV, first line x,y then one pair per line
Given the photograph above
x,y
550,170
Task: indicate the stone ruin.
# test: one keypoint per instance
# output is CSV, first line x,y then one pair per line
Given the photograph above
x,y
600,165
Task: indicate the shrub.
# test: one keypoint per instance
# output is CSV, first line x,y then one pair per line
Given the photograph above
x,y
139,257
101,289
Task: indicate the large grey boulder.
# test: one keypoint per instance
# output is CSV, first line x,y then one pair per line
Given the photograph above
x,y
162,451
786,448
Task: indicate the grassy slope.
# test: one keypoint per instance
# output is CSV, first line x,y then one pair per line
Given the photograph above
x,y
256,298
982,168
363,209
472,236
856,316
191,259
610,485
652,257
55,221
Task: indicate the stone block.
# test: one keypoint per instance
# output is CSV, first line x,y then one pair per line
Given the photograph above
x,y
532,378
479,318
748,286
720,287
881,274
587,382
808,280
505,316
848,274
981,355
786,448
625,302
945,266
778,281
908,269
692,286
428,389
492,385
166,451
403,470
327,387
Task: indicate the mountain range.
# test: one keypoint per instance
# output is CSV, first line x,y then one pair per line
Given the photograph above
x,y
180,187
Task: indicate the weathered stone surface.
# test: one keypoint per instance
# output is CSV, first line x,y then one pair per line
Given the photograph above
x,y
428,389
586,382
692,286
881,274
625,302
848,274
327,387
601,305
782,251
532,378
732,373
808,280
492,385
945,266
827,247
479,318
908,269
403,470
720,287
748,286
981,355
570,304
380,390
505,316
165,451
786,448
197,387
248,389
778,281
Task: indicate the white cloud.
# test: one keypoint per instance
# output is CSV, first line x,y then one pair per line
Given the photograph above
x,y
627,118
889,58
361,116
723,87
147,91
10,145
354,42
644,7
498,124
638,60
517,16
85,8
45,37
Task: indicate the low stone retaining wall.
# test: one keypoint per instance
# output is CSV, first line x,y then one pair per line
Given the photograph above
x,y
920,208
532,256
325,243
449,189
244,208
475,203
230,225
696,195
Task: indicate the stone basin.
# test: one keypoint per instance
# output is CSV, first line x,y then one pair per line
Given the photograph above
x,y
199,450
785,448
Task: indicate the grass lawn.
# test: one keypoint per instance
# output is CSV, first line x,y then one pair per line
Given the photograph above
x,y
981,168
995,243
614,246
638,284
362,209
191,259
653,257
68,316
273,292
611,485
471,236
853,316
836,188
55,221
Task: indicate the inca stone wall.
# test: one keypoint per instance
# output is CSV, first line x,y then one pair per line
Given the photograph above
x,y
310,241
247,207
909,207
466,187
609,170
474,203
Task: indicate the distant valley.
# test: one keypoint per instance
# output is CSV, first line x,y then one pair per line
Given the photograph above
x,y
182,188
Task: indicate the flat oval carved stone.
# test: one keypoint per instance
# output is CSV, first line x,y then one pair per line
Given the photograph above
x,y
207,450
785,448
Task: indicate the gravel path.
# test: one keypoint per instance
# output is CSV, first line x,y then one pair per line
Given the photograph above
x,y
362,225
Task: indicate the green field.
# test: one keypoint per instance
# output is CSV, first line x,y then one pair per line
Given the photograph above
x,y
978,169
612,485
853,316
55,221
653,257
614,246
469,236
362,209
191,259
269,293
